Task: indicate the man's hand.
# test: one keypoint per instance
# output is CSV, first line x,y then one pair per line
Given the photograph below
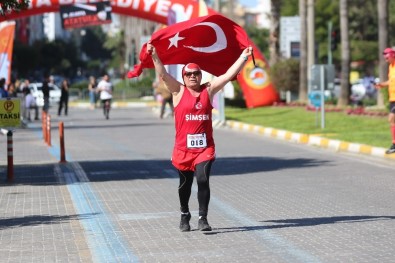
x,y
150,48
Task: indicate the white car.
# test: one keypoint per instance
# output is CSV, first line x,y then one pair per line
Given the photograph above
x,y
36,91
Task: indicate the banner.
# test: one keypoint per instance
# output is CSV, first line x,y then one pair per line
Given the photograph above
x,y
258,90
7,32
82,15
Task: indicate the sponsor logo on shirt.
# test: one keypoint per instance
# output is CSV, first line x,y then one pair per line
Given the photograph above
x,y
197,117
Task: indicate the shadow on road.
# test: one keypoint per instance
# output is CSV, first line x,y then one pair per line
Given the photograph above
x,y
34,220
301,222
107,170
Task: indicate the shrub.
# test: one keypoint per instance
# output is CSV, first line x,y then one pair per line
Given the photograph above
x,y
285,75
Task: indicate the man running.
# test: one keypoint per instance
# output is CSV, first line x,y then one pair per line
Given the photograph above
x,y
389,55
194,149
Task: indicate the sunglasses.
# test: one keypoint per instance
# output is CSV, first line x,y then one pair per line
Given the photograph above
x,y
195,73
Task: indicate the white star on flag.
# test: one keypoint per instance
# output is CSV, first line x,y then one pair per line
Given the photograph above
x,y
174,40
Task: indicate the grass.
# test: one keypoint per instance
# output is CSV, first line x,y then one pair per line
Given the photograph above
x,y
368,130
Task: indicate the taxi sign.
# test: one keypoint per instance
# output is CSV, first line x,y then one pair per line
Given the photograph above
x,y
10,112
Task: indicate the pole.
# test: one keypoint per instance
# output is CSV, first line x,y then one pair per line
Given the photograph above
x,y
322,68
310,41
10,157
61,136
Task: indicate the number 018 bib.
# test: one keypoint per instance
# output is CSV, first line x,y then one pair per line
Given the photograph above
x,y
196,140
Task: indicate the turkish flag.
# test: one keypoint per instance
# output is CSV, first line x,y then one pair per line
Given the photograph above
x,y
214,42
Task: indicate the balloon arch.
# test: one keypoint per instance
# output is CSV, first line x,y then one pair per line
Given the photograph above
x,y
257,88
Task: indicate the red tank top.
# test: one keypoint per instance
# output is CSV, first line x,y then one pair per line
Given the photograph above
x,y
193,122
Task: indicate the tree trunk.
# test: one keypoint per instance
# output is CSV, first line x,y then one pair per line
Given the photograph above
x,y
274,31
382,8
303,52
345,55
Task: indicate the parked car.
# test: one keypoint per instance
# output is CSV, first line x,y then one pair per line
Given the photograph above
x,y
54,93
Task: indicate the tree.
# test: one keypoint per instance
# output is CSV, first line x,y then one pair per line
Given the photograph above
x,y
7,6
382,9
274,31
345,54
303,52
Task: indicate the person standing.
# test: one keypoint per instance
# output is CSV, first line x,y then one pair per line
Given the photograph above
x,y
194,149
389,55
29,104
3,91
92,92
45,90
64,97
105,89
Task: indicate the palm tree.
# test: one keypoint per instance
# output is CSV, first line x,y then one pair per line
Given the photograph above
x,y
303,52
382,8
345,54
274,31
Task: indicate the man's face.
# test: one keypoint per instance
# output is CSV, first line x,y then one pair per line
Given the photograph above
x,y
192,78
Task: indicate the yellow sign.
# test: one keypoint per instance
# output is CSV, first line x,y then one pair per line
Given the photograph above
x,y
10,112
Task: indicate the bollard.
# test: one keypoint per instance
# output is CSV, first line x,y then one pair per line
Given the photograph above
x,y
10,158
48,130
44,125
61,137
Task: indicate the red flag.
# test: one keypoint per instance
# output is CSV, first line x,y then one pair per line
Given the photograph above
x,y
7,32
213,42
254,80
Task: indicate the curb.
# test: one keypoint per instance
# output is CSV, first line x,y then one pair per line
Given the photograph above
x,y
311,140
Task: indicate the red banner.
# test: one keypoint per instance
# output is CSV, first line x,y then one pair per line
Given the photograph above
x,y
7,32
82,15
258,90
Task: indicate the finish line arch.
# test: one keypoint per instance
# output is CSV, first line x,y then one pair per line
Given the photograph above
x,y
153,10
255,82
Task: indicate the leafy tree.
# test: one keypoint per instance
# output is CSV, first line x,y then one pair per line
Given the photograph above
x,y
259,37
91,44
13,5
116,45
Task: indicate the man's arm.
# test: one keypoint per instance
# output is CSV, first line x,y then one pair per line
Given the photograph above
x,y
171,83
218,83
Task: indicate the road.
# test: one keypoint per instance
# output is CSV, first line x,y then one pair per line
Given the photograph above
x,y
115,200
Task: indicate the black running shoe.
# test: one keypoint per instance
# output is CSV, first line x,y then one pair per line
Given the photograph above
x,y
203,224
391,149
184,223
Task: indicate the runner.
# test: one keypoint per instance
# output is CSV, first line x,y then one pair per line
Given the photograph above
x,y
194,149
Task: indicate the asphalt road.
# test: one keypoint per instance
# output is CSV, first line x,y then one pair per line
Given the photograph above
x,y
115,200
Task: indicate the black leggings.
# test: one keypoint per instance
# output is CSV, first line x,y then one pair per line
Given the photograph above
x,y
202,174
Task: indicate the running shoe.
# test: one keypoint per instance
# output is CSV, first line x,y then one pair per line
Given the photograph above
x,y
184,223
203,224
391,149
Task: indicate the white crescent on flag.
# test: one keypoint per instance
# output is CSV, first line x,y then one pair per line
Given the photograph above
x,y
219,45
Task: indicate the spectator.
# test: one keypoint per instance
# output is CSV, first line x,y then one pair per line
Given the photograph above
x,y
92,92
45,90
64,98
165,97
30,103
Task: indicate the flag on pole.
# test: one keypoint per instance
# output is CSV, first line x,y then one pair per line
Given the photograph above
x,y
7,32
214,42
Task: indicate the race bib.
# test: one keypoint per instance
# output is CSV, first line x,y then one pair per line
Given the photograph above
x,y
196,140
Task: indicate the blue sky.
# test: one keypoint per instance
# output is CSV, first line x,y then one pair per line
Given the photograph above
x,y
248,3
